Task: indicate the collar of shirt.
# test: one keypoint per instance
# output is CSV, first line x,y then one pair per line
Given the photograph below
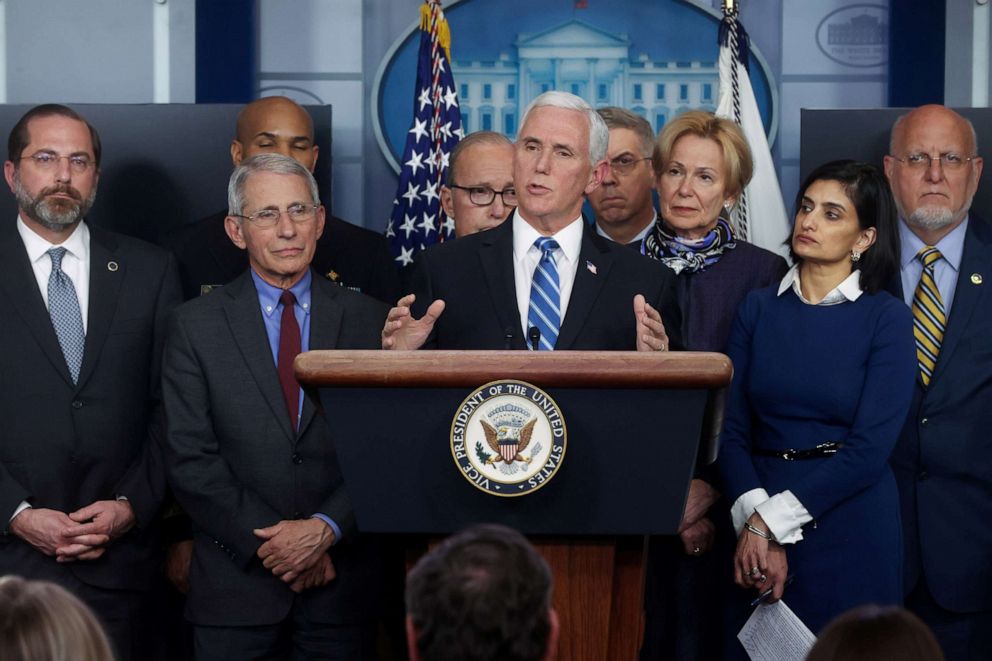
x,y
848,290
640,235
268,300
75,263
951,246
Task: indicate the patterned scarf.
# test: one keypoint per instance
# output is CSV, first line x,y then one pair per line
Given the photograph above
x,y
692,255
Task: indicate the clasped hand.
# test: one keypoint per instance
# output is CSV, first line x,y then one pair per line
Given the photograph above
x,y
296,552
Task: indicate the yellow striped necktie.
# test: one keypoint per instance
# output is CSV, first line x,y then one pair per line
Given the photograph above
x,y
929,317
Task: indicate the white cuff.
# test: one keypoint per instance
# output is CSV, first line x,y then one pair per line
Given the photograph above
x,y
25,505
745,506
785,517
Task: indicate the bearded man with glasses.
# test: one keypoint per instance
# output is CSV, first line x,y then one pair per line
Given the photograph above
x,y
81,477
943,459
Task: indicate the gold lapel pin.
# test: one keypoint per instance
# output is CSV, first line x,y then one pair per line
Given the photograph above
x,y
976,278
112,266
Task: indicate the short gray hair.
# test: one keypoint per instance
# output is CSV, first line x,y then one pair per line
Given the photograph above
x,y
476,138
599,135
621,118
274,163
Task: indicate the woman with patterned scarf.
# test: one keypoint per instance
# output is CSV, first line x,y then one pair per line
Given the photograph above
x,y
701,164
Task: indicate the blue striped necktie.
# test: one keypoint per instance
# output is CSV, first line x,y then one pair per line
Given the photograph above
x,y
63,308
929,316
544,312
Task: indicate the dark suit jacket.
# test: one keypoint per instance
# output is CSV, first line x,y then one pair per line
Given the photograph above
x,y
943,460
352,256
235,464
64,446
474,276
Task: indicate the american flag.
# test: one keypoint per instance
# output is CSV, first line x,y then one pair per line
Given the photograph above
x,y
417,220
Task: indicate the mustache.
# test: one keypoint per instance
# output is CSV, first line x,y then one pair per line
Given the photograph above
x,y
63,189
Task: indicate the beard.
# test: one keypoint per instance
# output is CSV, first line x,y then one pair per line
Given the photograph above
x,y
930,218
55,214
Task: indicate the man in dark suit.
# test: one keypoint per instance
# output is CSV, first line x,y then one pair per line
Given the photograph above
x,y
348,255
623,204
81,473
543,279
943,460
277,569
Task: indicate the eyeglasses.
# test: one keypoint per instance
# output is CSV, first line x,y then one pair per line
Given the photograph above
x,y
923,161
47,161
265,218
623,165
483,196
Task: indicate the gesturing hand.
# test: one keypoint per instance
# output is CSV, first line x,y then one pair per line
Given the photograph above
x,y
402,331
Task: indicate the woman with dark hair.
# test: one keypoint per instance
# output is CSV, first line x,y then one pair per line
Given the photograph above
x,y
823,374
876,633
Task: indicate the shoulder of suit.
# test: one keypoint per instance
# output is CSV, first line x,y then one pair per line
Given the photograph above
x,y
345,296
122,243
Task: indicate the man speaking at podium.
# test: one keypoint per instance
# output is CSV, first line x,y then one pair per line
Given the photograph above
x,y
543,279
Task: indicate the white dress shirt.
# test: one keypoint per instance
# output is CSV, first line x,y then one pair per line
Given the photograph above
x,y
526,256
75,262
784,515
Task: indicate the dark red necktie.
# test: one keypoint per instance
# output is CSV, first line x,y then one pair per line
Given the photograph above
x,y
289,348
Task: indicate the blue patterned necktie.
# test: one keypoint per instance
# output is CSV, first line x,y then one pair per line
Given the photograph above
x,y
544,312
63,307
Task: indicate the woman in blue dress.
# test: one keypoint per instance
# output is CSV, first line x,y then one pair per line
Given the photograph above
x,y
823,374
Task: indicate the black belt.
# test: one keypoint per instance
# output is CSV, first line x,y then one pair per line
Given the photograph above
x,y
822,450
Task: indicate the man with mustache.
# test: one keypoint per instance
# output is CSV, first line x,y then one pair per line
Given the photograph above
x,y
623,205
81,474
943,459
543,279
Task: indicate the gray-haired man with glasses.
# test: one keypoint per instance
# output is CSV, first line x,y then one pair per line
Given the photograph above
x,y
623,204
81,476
479,193
943,459
278,569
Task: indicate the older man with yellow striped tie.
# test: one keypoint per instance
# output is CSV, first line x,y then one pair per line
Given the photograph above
x,y
943,460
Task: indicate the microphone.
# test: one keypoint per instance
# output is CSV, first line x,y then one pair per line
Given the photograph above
x,y
534,334
508,338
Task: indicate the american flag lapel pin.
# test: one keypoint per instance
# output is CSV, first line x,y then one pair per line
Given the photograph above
x,y
591,267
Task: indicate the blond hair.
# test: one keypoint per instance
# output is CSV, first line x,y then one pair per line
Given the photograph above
x,y
736,154
41,621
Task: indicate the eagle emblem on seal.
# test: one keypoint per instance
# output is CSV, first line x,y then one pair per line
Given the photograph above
x,y
509,441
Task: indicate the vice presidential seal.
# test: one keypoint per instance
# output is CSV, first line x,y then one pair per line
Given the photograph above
x,y
508,438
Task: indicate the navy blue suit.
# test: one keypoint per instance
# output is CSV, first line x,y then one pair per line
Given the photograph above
x,y
943,460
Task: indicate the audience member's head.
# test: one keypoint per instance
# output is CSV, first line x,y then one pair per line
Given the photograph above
x,y
934,168
559,157
478,193
623,203
41,621
275,125
483,594
876,633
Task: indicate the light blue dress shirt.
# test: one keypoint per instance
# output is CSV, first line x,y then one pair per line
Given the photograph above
x,y
951,248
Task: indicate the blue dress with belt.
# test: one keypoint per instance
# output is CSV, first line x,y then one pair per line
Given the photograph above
x,y
805,374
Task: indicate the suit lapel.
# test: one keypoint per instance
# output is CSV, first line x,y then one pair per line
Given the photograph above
x,y
245,319
496,256
326,317
107,273
593,269
21,290
976,259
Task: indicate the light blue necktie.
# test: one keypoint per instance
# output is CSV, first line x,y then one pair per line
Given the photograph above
x,y
63,307
544,312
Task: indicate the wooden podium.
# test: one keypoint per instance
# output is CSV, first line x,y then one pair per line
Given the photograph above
x,y
636,425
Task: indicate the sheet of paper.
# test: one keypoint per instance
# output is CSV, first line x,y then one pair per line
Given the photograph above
x,y
774,633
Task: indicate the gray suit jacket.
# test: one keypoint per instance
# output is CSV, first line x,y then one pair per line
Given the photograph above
x,y
235,463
